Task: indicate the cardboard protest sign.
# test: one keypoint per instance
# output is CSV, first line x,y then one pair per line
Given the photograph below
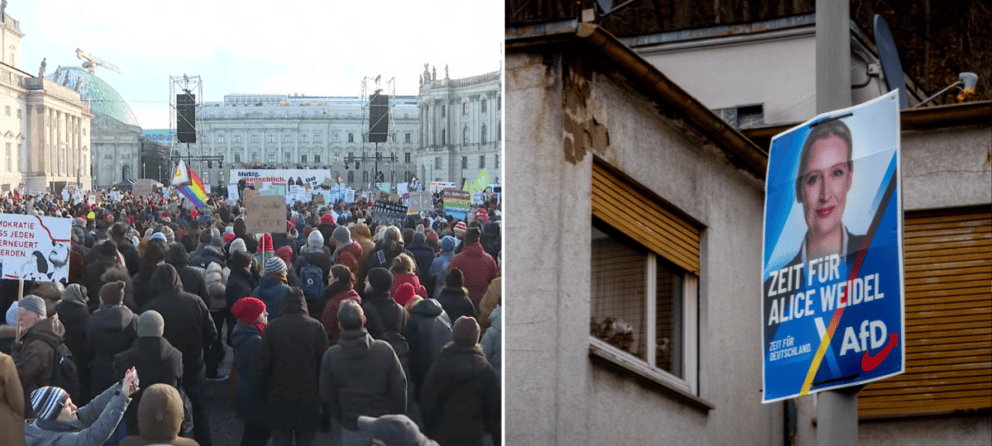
x,y
318,199
832,279
143,188
265,214
385,213
456,203
421,202
34,248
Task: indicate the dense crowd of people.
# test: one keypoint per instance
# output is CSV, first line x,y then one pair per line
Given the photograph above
x,y
387,332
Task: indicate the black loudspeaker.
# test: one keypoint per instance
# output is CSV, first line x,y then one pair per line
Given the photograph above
x,y
186,118
378,118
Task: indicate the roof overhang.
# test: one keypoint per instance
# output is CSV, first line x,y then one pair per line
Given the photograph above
x,y
740,150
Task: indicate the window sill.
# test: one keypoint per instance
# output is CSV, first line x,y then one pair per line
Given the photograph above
x,y
607,352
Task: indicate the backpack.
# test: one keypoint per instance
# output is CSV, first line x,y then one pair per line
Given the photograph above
x,y
65,373
312,278
395,339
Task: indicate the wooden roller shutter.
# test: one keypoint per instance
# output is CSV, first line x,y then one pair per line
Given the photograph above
x,y
948,318
641,215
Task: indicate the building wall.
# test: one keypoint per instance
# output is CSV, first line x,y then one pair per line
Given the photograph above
x,y
115,145
57,137
10,42
557,394
239,127
947,168
451,106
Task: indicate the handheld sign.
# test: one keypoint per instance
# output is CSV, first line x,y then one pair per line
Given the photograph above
x,y
265,214
386,213
456,203
832,278
34,248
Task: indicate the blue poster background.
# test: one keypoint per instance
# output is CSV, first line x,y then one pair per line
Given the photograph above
x,y
792,325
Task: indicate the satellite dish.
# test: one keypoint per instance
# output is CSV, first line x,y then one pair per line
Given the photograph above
x,y
889,57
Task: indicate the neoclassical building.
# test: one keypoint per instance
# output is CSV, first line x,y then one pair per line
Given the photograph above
x,y
460,127
44,126
296,131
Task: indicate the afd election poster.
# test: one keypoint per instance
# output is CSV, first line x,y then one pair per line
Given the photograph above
x,y
832,278
34,248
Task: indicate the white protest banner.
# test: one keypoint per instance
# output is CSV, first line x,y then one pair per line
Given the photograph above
x,y
350,196
402,188
232,192
34,248
312,177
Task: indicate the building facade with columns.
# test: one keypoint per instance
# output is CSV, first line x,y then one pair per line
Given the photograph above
x,y
302,132
460,127
45,126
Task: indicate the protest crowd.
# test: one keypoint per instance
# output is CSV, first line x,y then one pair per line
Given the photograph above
x,y
382,332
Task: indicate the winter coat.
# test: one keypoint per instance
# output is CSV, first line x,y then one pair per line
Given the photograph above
x,y
112,330
191,278
270,290
75,315
287,367
240,283
156,361
412,279
160,420
424,256
349,256
489,302
330,316
188,325
361,376
34,367
320,257
251,405
439,270
460,399
96,423
383,314
478,267
456,303
492,344
283,239
491,239
132,259
11,404
428,331
205,256
216,280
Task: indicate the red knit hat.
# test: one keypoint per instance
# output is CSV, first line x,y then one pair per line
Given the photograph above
x,y
265,244
193,213
326,219
404,293
228,237
286,254
247,309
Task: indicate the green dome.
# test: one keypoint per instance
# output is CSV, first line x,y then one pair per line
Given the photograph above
x,y
100,95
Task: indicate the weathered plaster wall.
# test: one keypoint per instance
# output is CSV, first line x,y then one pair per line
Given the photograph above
x,y
947,167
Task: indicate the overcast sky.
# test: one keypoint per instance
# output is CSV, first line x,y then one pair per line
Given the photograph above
x,y
311,47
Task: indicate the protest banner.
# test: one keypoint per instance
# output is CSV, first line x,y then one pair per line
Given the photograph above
x,y
832,279
456,203
385,213
265,214
349,196
402,188
421,202
143,188
312,177
232,192
34,248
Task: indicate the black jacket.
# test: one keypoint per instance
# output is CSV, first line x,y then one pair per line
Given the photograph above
x,y
205,256
112,329
383,314
361,376
239,284
287,367
192,280
156,361
460,397
188,325
429,330
456,303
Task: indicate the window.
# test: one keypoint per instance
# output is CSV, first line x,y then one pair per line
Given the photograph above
x,y
289,157
237,137
407,138
482,161
464,162
465,136
351,176
303,137
464,108
351,157
9,159
482,138
220,137
482,107
406,157
442,137
499,132
316,137
237,157
442,111
18,113
497,161
316,158
254,137
303,158
8,110
272,137
643,274
272,157
437,163
365,177
286,137
351,137
499,103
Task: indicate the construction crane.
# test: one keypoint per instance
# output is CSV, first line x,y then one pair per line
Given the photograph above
x,y
90,62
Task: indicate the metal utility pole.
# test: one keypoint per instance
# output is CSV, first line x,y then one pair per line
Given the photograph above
x,y
836,410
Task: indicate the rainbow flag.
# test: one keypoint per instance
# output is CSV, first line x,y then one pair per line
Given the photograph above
x,y
192,188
